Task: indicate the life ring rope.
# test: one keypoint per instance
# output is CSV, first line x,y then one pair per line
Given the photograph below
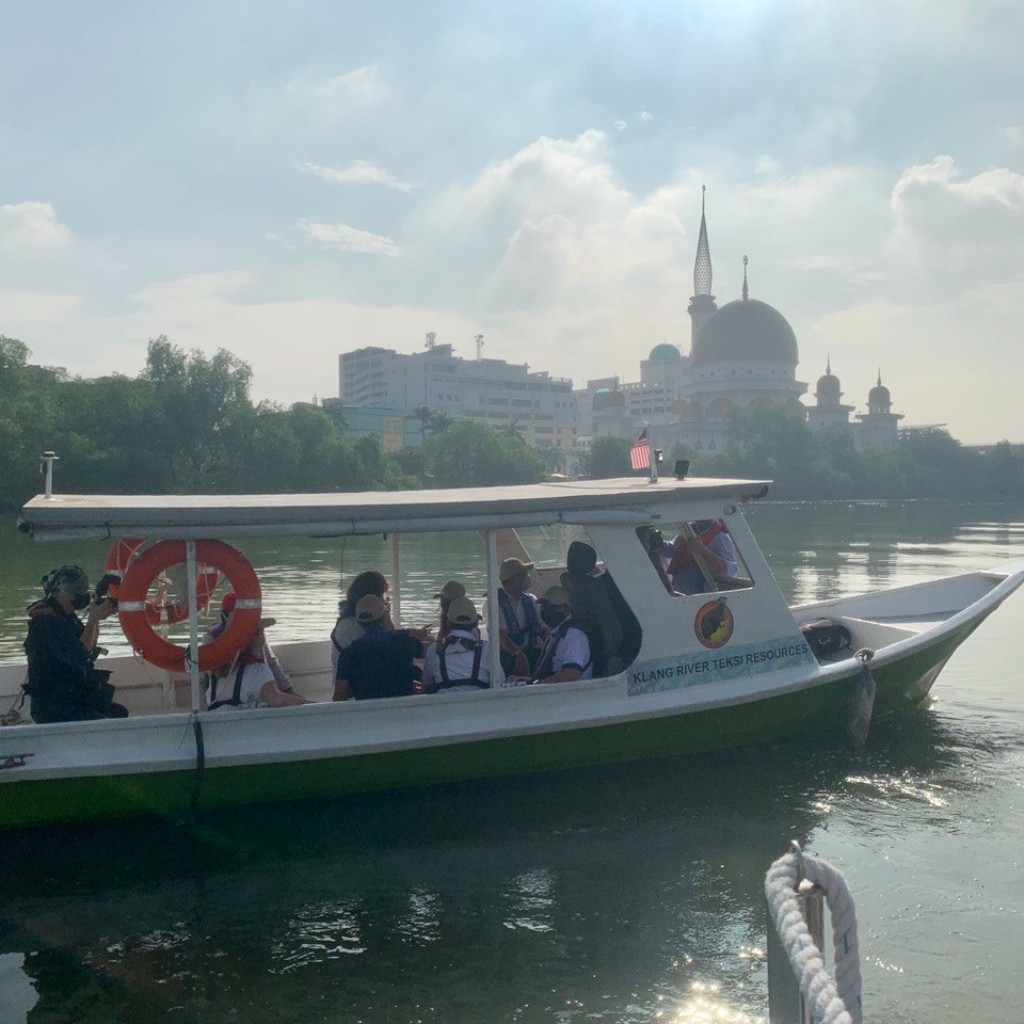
x,y
138,626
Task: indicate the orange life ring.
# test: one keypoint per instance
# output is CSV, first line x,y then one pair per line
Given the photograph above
x,y
138,628
120,556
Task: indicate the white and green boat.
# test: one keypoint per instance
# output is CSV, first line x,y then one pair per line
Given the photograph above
x,y
724,668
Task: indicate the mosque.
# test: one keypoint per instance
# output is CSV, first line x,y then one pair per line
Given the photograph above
x,y
742,355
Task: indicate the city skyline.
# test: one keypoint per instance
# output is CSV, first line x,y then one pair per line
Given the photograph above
x,y
290,188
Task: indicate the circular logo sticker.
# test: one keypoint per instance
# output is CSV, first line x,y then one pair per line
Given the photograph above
x,y
714,623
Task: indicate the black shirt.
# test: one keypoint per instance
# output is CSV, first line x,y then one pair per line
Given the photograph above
x,y
57,664
380,664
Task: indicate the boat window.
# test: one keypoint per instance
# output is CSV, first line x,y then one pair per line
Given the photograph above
x,y
700,557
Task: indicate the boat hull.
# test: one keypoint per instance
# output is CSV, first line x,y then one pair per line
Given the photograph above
x,y
820,707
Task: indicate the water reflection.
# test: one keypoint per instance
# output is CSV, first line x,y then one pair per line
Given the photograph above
x,y
627,893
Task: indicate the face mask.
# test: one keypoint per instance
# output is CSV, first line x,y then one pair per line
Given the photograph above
x,y
551,615
81,601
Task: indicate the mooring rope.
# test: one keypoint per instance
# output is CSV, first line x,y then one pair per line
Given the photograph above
x,y
828,1001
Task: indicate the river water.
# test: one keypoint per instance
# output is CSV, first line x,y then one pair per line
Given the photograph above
x,y
625,894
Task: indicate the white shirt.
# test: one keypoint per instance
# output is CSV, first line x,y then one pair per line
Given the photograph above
x,y
254,677
573,648
458,660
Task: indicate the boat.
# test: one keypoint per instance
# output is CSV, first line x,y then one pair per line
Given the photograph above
x,y
732,666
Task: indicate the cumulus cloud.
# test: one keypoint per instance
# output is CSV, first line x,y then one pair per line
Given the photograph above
x,y
646,115
359,172
31,225
349,239
956,229
620,126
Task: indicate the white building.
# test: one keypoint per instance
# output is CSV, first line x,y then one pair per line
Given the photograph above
x,y
542,407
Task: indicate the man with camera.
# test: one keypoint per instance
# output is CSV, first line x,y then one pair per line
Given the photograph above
x,y
63,683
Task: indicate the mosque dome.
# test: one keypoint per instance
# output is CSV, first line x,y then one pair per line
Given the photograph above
x,y
879,398
664,353
746,330
828,385
605,400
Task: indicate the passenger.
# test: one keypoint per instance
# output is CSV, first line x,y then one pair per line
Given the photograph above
x,y
449,592
63,683
227,606
461,660
381,661
249,681
657,551
712,542
521,634
566,655
586,583
347,629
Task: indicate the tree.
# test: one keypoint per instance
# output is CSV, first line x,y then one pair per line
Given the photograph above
x,y
609,457
472,454
203,409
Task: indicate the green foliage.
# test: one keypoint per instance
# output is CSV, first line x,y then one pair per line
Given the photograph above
x,y
769,443
187,424
471,453
609,457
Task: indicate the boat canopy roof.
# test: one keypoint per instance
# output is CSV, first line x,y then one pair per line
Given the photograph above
x,y
629,500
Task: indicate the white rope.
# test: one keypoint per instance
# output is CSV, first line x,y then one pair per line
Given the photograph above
x,y
828,1001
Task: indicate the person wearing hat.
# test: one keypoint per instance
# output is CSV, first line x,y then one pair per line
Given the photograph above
x,y
449,592
63,683
588,586
381,661
521,633
460,660
347,628
566,655
248,682
227,606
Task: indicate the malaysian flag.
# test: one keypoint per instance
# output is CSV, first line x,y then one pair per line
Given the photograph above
x,y
640,453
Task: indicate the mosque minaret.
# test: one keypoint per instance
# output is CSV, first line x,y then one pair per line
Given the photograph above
x,y
743,355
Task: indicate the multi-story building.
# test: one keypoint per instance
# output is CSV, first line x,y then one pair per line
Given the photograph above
x,y
541,408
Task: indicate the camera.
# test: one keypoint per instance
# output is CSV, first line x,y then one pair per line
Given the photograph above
x,y
103,585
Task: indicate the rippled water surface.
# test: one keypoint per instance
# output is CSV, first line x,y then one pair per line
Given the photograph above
x,y
621,894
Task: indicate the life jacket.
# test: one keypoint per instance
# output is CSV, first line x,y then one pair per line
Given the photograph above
x,y
547,658
474,676
534,627
235,700
682,558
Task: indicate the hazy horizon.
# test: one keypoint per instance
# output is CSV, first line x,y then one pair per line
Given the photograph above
x,y
292,186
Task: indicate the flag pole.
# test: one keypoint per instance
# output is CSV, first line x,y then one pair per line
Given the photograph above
x,y
653,454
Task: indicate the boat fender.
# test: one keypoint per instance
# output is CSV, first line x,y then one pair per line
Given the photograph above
x,y
157,650
120,556
862,702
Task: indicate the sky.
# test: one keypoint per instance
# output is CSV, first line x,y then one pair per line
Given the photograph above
x,y
290,182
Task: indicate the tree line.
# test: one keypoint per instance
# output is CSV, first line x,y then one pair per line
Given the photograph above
x,y
187,424
768,443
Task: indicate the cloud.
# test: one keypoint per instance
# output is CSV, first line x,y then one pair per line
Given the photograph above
x,y
958,231
363,86
620,126
31,225
646,116
349,239
360,172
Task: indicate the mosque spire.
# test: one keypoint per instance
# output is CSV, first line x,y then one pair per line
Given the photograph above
x,y
702,264
828,363
746,291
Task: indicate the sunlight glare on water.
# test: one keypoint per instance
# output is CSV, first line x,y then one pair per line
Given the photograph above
x,y
628,893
